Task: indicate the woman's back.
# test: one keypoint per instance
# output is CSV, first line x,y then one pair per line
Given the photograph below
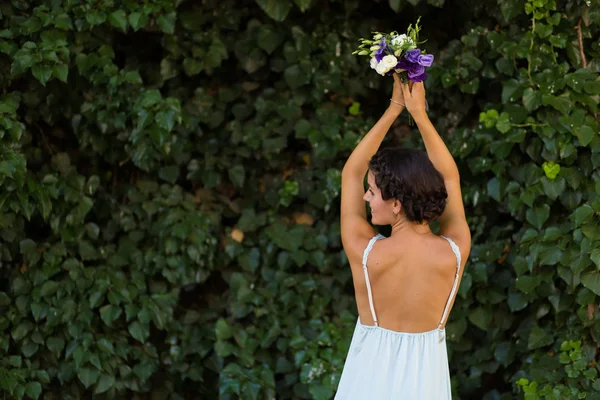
x,y
411,278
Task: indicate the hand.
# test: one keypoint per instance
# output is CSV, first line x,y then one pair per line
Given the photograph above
x,y
414,99
397,94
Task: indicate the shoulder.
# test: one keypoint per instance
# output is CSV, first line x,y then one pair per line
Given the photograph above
x,y
372,246
460,248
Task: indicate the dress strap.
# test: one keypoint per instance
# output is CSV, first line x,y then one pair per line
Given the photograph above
x,y
456,251
368,282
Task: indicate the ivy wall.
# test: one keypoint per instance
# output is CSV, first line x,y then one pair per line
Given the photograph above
x,y
170,176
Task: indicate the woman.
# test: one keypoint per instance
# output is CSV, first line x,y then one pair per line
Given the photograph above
x,y
406,284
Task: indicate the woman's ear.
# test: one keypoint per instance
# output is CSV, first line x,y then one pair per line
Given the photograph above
x,y
396,206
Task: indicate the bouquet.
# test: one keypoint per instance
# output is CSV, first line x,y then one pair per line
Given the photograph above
x,y
397,53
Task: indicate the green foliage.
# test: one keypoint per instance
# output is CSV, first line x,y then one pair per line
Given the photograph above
x,y
171,178
572,379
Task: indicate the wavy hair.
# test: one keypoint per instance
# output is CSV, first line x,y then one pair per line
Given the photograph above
x,y
409,176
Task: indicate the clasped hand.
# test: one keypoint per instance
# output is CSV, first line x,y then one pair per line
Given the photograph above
x,y
411,94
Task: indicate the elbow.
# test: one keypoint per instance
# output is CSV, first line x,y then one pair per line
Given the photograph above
x,y
451,175
350,170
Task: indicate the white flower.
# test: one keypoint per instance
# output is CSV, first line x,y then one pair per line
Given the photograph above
x,y
381,68
374,63
401,40
389,61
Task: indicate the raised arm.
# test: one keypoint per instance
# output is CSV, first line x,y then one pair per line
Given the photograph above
x,y
453,221
355,229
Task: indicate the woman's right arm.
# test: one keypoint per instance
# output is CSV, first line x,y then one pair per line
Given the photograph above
x,y
453,222
437,151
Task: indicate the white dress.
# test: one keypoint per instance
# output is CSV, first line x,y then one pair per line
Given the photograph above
x,y
383,364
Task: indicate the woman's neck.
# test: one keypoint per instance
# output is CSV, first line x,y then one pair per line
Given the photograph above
x,y
403,226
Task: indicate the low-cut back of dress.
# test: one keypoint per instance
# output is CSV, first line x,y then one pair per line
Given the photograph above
x,y
383,364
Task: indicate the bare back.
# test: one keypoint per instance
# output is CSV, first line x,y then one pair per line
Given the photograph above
x,y
411,280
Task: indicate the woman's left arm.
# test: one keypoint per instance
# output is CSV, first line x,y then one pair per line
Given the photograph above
x,y
353,216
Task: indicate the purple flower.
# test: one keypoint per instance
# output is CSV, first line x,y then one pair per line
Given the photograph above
x,y
414,64
418,78
379,54
413,69
415,56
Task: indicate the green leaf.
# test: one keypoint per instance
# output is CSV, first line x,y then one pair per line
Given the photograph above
x,y
48,288
550,256
511,8
295,77
42,73
139,331
15,361
167,22
559,40
481,317
63,21
29,348
137,20
95,361
552,233
553,188
222,330
166,119
79,354
105,383
4,299
538,338
303,5
88,376
33,390
109,313
268,39
585,134
527,283
495,189
42,376
582,214
27,247
551,169
56,345
320,391
143,371
276,9
543,30
87,250
561,103
595,257
532,99
105,346
237,175
510,91
517,301
61,71
169,173
192,66
537,216
591,280
503,122
118,19
354,109
396,5
95,17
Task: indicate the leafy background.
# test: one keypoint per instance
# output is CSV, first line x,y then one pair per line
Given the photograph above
x,y
170,185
